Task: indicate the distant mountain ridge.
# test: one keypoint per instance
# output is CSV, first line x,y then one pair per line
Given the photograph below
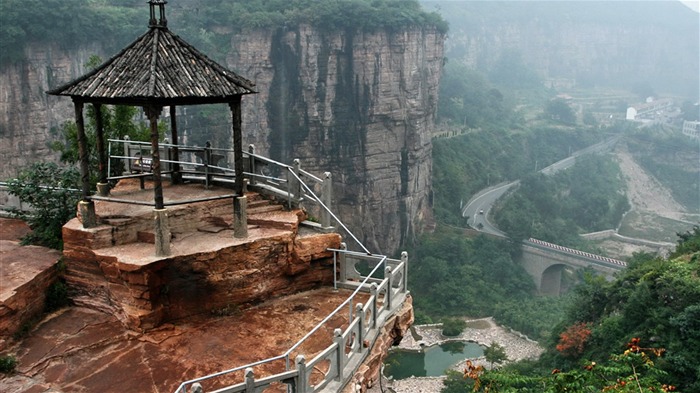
x,y
626,44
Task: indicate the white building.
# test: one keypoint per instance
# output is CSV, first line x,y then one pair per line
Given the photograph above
x,y
692,129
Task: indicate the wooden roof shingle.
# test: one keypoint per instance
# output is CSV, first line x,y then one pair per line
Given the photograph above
x,y
158,68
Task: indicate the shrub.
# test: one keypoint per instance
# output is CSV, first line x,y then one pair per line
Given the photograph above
x,y
51,192
56,296
453,327
7,364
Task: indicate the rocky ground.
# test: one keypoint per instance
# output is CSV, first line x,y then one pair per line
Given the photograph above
x,y
654,215
645,193
483,331
76,349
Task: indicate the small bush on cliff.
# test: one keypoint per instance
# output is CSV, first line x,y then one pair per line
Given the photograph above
x,y
51,191
56,296
7,364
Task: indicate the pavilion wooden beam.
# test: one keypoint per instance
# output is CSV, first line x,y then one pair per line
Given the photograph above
x,y
176,176
240,215
160,214
102,186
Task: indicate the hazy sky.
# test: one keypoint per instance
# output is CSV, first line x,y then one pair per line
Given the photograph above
x,y
692,4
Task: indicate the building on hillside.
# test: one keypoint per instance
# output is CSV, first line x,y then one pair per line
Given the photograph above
x,y
691,129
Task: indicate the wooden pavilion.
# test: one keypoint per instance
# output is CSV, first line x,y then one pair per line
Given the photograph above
x,y
158,69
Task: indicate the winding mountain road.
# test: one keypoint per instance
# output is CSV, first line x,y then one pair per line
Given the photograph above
x,y
478,207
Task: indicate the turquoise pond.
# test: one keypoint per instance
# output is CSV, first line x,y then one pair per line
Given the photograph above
x,y
432,361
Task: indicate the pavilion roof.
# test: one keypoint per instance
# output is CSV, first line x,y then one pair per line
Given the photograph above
x,y
158,68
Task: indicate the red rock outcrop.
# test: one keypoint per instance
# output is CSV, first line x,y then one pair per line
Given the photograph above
x,y
26,272
208,271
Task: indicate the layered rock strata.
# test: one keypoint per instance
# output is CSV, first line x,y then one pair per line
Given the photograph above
x,y
29,118
113,267
26,273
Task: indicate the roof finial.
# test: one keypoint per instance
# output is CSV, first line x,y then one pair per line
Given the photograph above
x,y
162,22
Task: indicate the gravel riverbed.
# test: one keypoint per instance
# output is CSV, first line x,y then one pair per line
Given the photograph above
x,y
482,331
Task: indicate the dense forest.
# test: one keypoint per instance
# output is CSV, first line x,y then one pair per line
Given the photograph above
x,y
477,277
588,197
207,24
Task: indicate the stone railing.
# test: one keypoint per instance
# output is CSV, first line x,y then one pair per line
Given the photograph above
x,y
599,259
207,164
333,367
289,182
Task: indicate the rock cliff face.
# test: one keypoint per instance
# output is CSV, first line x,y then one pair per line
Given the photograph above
x,y
28,116
360,105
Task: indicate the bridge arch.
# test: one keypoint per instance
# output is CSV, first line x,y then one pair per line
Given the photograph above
x,y
547,263
550,280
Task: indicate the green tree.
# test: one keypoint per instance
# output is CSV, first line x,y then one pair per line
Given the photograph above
x,y
589,119
688,242
51,190
654,298
495,353
453,327
633,371
560,111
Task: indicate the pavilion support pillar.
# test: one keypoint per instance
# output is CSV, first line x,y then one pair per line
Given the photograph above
x,y
102,186
161,225
237,121
176,176
86,207
240,215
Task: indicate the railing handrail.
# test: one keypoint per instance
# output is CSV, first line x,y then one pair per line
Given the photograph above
x,y
363,285
328,210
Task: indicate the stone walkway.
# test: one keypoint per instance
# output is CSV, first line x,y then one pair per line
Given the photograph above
x,y
482,331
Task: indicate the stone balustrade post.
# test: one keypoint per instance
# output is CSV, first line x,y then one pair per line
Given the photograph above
x,y
389,289
302,379
326,198
196,388
127,153
373,293
162,232
360,313
240,217
404,283
340,358
342,263
249,380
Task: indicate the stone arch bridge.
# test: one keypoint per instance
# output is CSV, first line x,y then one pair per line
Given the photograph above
x,y
545,262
